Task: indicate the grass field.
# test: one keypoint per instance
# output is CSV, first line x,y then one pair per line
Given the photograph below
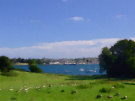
x,y
51,87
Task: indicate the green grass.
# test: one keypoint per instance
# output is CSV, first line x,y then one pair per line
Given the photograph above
x,y
86,87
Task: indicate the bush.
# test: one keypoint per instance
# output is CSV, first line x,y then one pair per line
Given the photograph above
x,y
106,90
34,68
83,86
118,85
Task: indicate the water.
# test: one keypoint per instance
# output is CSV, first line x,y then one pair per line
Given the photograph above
x,y
88,69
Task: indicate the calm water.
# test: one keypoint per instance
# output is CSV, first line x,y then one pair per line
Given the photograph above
x,y
92,69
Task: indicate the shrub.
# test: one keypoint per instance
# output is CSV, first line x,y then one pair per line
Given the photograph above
x,y
34,68
106,90
62,90
83,86
118,85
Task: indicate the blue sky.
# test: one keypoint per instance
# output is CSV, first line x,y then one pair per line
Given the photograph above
x,y
36,23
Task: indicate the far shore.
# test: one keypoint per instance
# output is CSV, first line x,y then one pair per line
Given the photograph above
x,y
48,64
21,64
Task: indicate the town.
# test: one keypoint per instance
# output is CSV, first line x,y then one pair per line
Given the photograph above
x,y
46,61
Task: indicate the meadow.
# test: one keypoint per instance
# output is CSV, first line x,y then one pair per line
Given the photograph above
x,y
28,86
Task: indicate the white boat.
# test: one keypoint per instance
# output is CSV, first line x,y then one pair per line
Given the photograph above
x,y
90,71
81,69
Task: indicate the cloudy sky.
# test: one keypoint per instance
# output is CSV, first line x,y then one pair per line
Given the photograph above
x,y
63,28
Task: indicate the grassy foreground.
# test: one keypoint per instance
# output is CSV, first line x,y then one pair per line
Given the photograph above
x,y
51,87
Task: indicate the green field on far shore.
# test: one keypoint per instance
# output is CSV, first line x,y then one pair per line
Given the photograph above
x,y
53,87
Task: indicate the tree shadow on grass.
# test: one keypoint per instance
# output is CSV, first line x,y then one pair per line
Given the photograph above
x,y
94,77
130,83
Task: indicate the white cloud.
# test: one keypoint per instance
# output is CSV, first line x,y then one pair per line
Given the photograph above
x,y
77,18
133,38
64,0
65,49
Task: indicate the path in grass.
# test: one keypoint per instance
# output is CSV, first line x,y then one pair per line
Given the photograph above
x,y
50,87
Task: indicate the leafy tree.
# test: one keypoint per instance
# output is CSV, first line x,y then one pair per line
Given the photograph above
x,y
33,66
5,64
32,62
105,60
119,60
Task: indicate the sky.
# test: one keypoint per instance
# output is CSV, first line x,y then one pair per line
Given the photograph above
x,y
63,28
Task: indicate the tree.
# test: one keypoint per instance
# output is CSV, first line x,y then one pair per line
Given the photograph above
x,y
119,60
32,62
5,64
105,60
33,66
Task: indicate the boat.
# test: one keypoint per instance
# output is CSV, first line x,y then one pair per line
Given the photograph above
x,y
90,71
81,69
